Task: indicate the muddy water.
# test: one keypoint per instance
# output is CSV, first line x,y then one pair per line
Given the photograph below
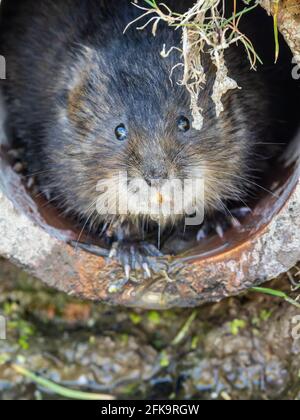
x,y
241,348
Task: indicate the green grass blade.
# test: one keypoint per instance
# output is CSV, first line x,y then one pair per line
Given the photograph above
x,y
239,14
185,329
60,390
276,293
151,3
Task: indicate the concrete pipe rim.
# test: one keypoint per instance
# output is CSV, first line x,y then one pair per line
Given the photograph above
x,y
37,240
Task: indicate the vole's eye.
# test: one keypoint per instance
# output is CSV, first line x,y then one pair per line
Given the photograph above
x,y
121,132
183,124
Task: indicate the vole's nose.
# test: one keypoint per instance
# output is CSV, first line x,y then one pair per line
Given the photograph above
x,y
155,174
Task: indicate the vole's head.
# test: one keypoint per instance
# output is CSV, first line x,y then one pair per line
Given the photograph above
x,y
130,132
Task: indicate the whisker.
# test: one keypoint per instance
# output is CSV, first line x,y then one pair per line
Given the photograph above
x,y
85,224
248,181
229,212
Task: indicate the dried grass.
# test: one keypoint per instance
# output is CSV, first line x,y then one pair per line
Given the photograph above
x,y
204,28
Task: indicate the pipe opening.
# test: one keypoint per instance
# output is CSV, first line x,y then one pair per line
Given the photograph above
x,y
276,182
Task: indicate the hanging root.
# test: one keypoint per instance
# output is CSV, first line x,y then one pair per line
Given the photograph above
x,y
204,28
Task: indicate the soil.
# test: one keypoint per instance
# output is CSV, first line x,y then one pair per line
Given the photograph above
x,y
241,348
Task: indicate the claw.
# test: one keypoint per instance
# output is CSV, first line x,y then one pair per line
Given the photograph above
x,y
152,250
202,234
221,222
127,270
135,264
241,211
235,222
220,231
139,257
147,270
113,251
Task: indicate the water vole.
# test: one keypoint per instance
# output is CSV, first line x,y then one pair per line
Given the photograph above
x,y
90,102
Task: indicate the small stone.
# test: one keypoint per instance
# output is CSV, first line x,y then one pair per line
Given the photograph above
x,y
30,182
18,167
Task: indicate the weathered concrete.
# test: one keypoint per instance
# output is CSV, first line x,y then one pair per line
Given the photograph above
x,y
272,249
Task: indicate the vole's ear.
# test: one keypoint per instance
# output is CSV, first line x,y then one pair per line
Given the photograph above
x,y
76,72
82,58
74,91
85,51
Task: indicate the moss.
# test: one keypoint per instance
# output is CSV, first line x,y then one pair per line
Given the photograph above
x,y
236,326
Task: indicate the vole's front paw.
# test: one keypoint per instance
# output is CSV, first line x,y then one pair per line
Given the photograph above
x,y
138,257
134,257
222,222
